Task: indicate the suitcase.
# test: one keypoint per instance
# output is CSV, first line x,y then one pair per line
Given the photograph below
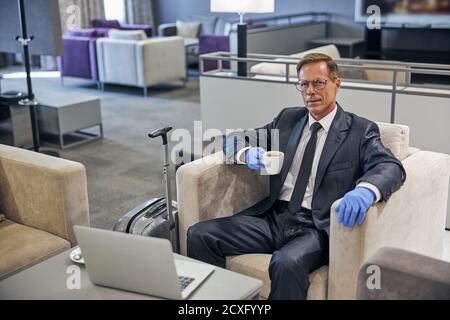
x,y
153,218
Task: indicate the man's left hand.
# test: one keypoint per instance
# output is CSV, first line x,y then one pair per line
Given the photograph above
x,y
354,206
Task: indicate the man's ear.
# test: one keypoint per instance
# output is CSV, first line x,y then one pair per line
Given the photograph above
x,y
338,83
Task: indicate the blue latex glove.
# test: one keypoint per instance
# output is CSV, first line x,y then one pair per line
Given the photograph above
x,y
354,206
254,158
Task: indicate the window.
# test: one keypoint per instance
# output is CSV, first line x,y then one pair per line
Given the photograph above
x,y
115,10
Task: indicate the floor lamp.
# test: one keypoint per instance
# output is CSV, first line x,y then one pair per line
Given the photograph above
x,y
242,7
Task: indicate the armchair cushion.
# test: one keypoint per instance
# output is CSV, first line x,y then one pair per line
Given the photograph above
x,y
127,34
396,138
188,29
256,266
22,247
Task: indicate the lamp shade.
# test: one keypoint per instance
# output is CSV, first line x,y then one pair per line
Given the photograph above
x,y
243,6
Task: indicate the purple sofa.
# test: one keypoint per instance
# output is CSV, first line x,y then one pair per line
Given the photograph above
x,y
115,24
80,53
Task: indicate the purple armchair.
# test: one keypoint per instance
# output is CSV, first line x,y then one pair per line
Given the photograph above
x,y
115,24
80,54
212,43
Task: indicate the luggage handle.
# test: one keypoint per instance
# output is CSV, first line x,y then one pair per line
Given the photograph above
x,y
172,223
161,132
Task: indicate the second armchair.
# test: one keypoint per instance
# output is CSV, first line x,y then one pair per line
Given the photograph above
x,y
141,63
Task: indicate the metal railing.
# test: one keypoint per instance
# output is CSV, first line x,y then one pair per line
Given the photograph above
x,y
292,18
394,67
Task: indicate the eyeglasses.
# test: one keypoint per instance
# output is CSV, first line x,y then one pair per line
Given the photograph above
x,y
318,84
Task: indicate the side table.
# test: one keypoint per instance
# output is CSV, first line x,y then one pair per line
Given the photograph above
x,y
16,129
63,119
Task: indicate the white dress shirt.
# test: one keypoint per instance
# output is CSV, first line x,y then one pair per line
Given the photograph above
x,y
291,178
289,183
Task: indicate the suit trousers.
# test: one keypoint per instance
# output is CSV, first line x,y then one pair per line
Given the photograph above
x,y
296,245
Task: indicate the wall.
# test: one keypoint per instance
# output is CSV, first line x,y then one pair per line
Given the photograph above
x,y
171,10
342,25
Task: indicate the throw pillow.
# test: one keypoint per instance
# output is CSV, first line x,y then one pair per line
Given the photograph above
x,y
127,34
395,137
187,29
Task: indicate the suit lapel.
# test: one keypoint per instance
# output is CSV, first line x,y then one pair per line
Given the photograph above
x,y
336,136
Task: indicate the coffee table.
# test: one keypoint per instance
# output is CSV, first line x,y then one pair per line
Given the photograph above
x,y
50,280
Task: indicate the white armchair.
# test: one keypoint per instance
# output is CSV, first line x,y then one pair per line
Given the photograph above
x,y
412,219
141,63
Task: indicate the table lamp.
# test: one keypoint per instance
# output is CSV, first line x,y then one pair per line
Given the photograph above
x,y
242,7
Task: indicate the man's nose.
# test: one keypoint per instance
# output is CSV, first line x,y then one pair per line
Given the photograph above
x,y
310,90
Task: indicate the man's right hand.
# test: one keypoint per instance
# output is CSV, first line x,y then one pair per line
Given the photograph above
x,y
254,158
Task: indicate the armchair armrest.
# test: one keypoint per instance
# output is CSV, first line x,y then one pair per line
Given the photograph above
x,y
208,188
412,219
405,275
167,30
43,192
80,57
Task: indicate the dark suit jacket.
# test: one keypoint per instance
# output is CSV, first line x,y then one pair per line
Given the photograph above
x,y
352,153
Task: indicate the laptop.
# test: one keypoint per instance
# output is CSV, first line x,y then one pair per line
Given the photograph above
x,y
139,264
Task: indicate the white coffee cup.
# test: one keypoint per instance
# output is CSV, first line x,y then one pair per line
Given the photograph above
x,y
273,162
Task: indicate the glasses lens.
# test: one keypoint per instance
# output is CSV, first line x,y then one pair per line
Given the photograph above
x,y
319,84
302,86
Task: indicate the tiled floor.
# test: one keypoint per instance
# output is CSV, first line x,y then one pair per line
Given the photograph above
x,y
446,255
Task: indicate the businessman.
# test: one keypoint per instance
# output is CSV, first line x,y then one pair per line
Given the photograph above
x,y
329,154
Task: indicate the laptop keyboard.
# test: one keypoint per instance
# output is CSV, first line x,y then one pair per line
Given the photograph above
x,y
184,281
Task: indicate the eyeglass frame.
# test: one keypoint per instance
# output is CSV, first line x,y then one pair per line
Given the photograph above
x,y
297,84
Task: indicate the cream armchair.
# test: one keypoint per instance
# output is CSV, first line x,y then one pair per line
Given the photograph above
x,y
141,63
413,218
41,197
